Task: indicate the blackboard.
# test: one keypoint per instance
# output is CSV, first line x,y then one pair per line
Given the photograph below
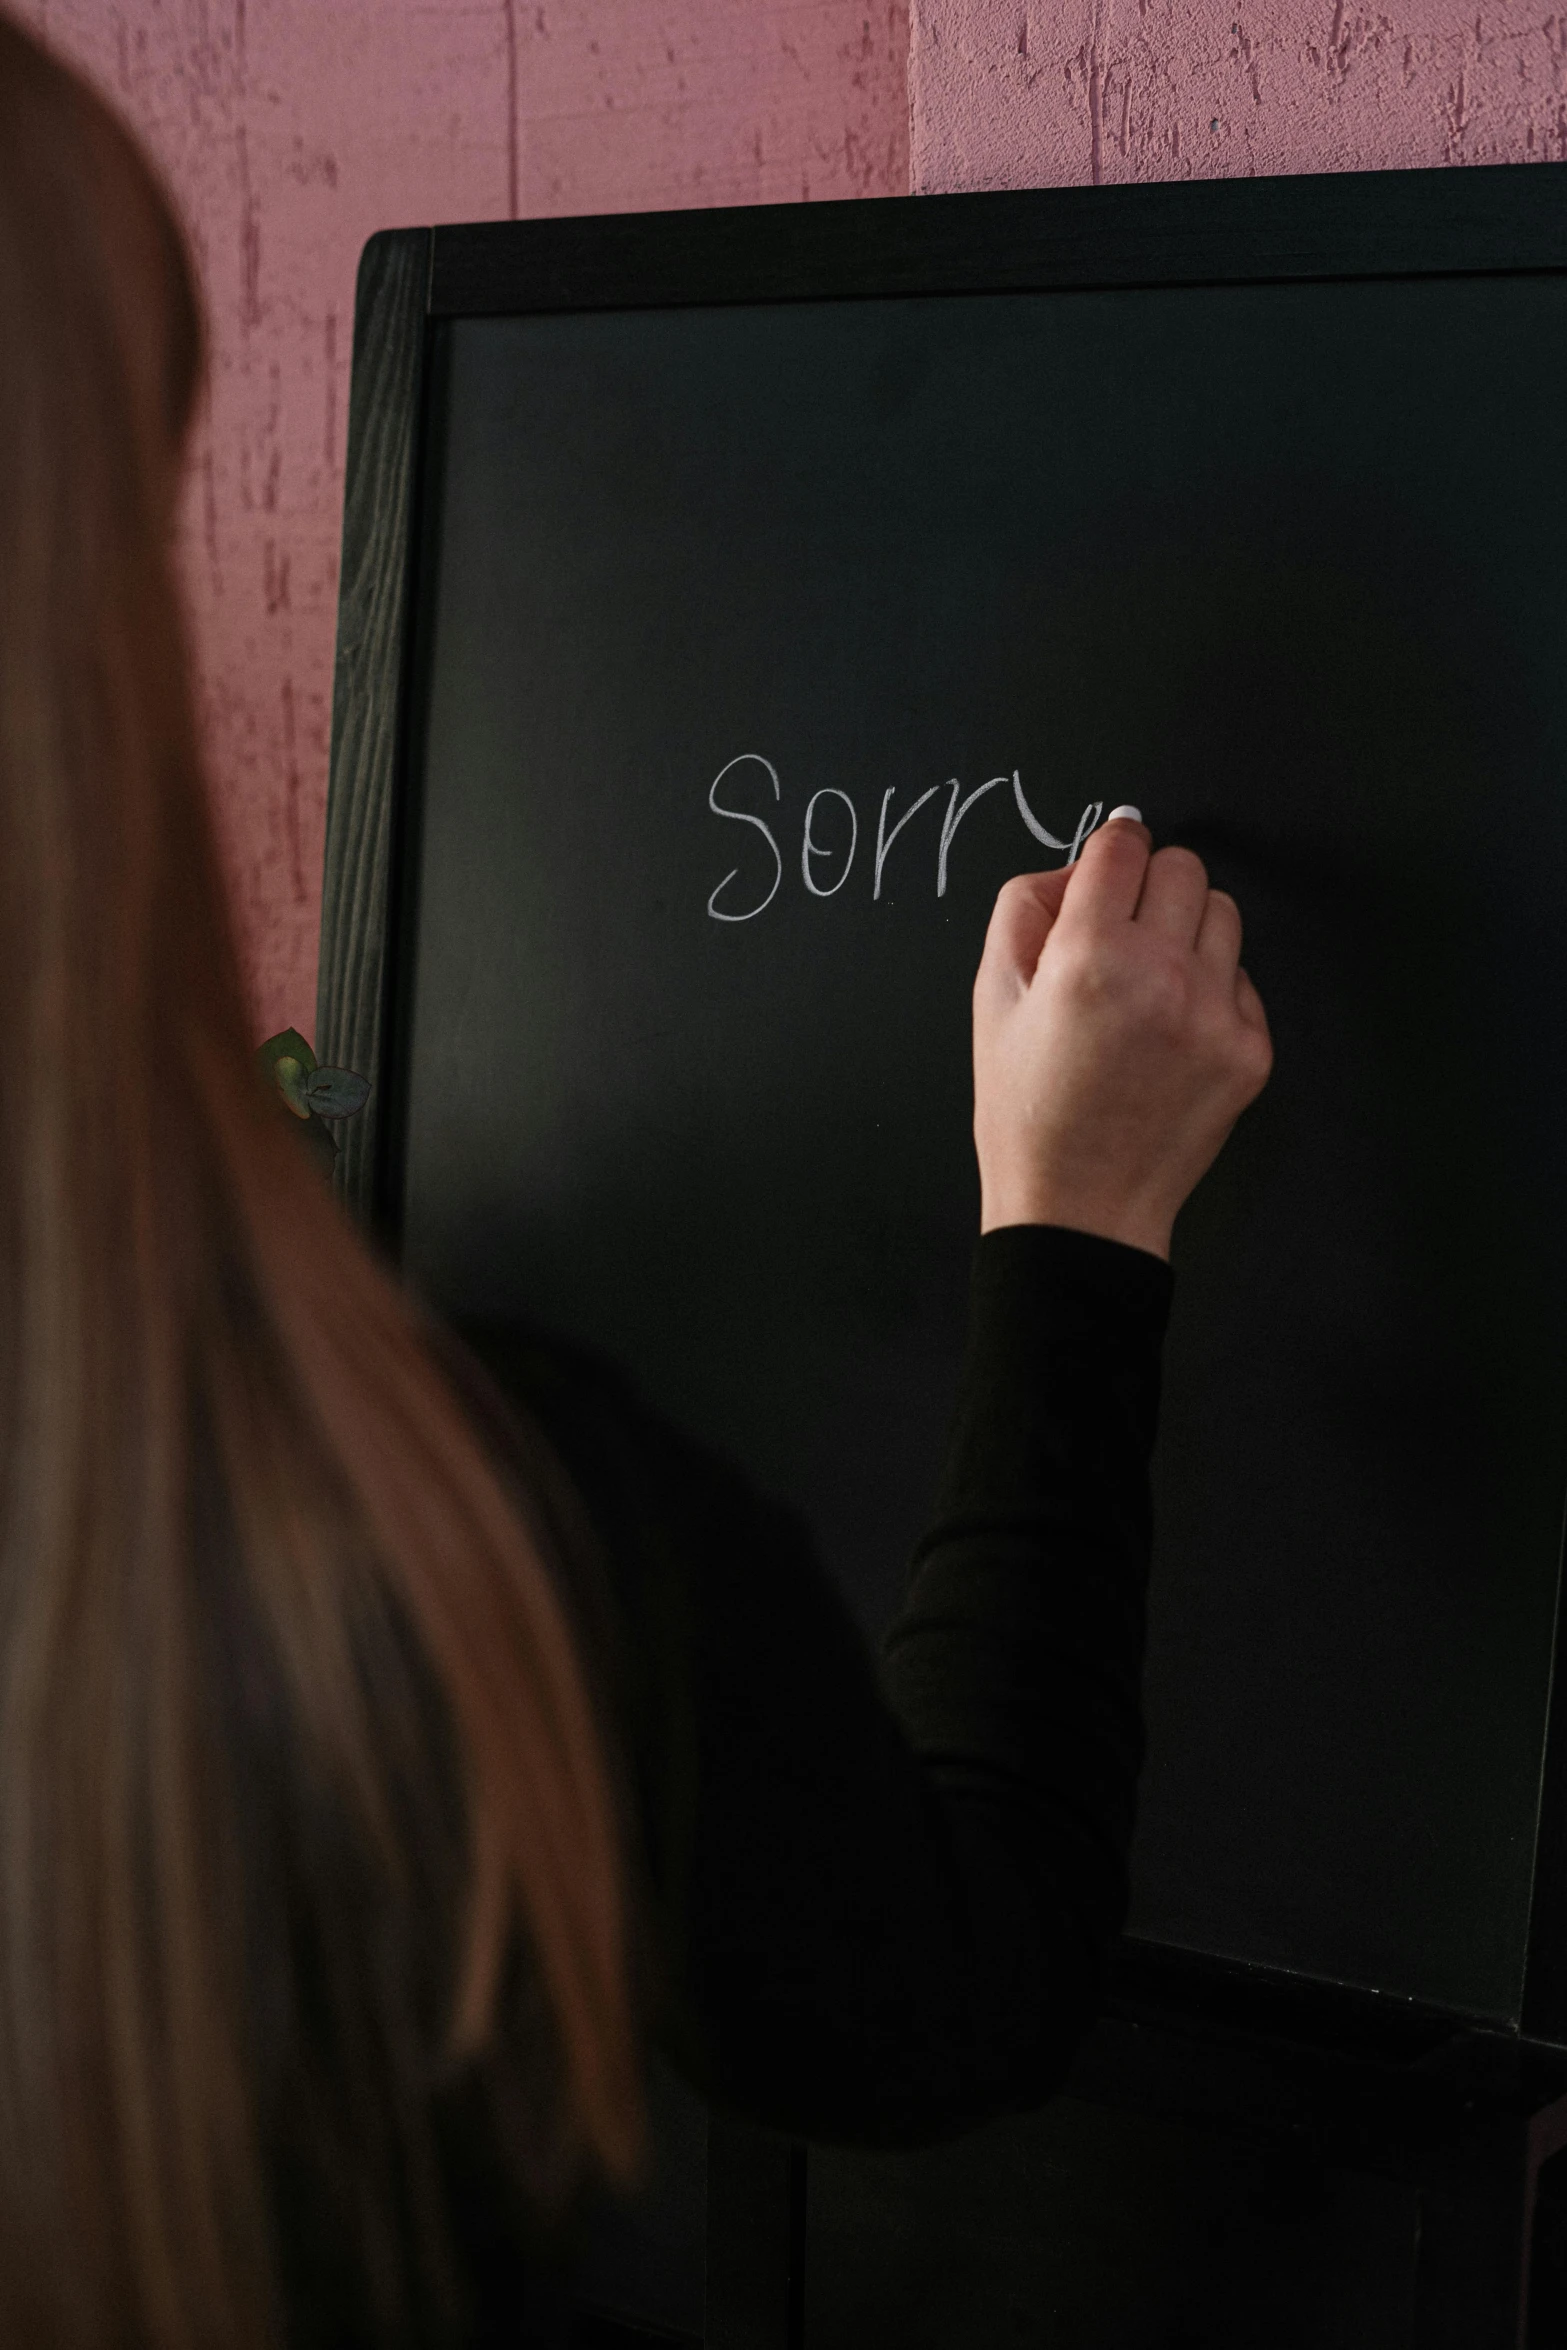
x,y
694,554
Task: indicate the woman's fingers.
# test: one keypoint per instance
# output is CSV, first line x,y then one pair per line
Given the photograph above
x,y
1219,935
1175,895
1024,915
1107,879
1119,878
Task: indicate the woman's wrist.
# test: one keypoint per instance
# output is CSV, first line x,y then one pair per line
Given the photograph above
x,y
1134,1224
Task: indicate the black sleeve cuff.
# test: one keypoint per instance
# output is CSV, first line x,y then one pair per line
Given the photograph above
x,y
1060,1383
1032,1279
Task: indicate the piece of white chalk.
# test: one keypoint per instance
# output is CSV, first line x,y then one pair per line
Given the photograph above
x,y
1132,815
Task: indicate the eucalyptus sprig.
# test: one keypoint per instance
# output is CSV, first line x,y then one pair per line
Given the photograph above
x,y
309,1092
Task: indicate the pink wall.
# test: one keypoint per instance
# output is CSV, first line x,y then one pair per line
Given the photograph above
x,y
290,129
1036,93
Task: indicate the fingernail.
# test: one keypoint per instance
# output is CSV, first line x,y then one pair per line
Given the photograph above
x,y
1132,815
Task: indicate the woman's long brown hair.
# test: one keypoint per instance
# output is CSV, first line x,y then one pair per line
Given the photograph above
x,y
246,1529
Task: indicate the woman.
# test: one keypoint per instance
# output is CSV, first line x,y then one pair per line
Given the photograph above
x,y
382,1765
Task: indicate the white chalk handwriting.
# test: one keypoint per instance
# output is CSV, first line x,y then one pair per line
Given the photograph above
x,y
739,816
827,845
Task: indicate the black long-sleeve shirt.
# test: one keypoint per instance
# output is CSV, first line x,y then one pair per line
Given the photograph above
x,y
873,1904
881,1903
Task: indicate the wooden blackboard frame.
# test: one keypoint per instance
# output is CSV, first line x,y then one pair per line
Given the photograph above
x,y
1494,221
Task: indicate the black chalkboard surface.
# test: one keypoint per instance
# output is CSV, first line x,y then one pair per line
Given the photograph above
x,y
741,603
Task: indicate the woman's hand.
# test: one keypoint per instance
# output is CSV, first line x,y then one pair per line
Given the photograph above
x,y
1116,1040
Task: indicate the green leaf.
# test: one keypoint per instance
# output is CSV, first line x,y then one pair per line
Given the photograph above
x,y
336,1093
292,1083
287,1043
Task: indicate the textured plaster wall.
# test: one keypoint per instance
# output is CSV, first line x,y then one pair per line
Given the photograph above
x,y
289,130
1034,93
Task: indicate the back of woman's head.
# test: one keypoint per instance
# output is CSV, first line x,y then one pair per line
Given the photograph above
x,y
296,1761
